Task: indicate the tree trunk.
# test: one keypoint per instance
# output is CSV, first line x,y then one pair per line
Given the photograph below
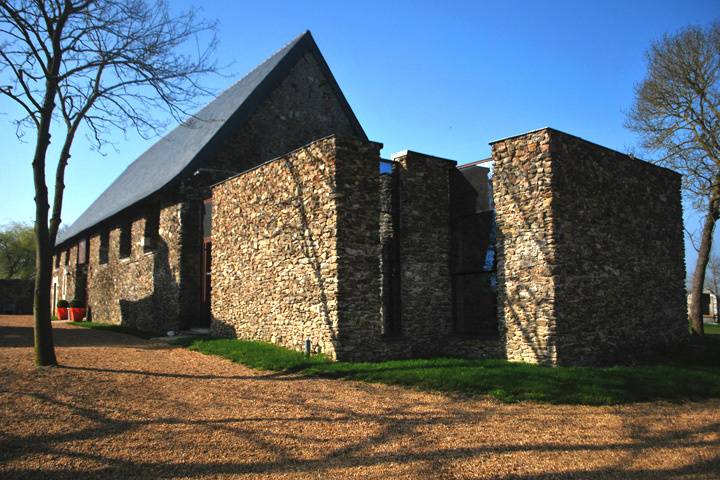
x,y
696,315
44,344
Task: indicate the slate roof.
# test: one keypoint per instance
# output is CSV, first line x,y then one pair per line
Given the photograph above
x,y
183,150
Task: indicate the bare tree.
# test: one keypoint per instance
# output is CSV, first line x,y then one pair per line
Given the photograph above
x,y
677,114
712,275
103,65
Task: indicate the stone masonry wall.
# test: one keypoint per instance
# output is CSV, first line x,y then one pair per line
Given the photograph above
x,y
426,313
140,291
620,291
275,258
302,108
526,259
296,254
67,275
590,251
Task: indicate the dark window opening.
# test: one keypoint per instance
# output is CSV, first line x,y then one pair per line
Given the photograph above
x,y
125,240
67,257
104,248
57,259
475,275
82,253
207,219
476,304
152,231
390,244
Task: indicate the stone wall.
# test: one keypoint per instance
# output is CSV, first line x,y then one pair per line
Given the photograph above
x,y
303,107
140,291
426,310
275,254
16,296
297,254
68,276
522,193
590,251
619,243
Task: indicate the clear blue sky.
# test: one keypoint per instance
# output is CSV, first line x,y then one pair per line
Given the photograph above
x,y
439,77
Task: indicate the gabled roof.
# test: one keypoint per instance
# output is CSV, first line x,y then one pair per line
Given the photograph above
x,y
184,149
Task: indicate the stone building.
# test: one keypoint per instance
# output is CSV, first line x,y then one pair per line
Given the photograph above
x,y
272,217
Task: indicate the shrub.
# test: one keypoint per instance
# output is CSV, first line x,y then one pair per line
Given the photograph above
x,y
75,303
63,304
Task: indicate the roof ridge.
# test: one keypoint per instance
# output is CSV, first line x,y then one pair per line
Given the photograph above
x,y
171,154
263,62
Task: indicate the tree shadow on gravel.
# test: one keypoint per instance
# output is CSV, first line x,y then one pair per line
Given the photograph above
x,y
146,373
278,439
21,336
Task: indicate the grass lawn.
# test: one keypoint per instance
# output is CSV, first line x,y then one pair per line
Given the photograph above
x,y
115,328
712,329
692,375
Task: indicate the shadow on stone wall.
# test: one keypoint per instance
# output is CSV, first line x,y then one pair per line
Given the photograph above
x,y
528,328
157,312
309,245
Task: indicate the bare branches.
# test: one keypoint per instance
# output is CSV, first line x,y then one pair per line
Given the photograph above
x,y
126,61
677,107
107,64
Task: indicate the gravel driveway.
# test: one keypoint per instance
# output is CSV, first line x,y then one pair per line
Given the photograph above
x,y
122,407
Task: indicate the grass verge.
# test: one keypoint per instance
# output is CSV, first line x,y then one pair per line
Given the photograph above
x,y
712,329
694,374
115,328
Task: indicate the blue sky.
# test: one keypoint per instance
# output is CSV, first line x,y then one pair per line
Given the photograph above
x,y
439,77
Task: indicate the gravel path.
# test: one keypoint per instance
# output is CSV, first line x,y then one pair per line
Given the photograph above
x,y
121,407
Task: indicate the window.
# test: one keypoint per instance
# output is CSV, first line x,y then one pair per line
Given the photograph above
x,y
207,219
126,240
82,252
104,247
475,275
152,231
57,259
67,257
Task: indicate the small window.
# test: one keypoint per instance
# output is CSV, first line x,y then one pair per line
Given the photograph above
x,y
57,259
152,231
82,252
104,248
126,240
67,257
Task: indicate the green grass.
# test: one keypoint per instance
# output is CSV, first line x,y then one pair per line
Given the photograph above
x,y
712,329
115,328
693,375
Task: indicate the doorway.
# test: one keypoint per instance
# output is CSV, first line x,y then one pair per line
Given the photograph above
x,y
206,271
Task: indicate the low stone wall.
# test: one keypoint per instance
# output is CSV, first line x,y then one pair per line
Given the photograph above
x,y
16,296
590,251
